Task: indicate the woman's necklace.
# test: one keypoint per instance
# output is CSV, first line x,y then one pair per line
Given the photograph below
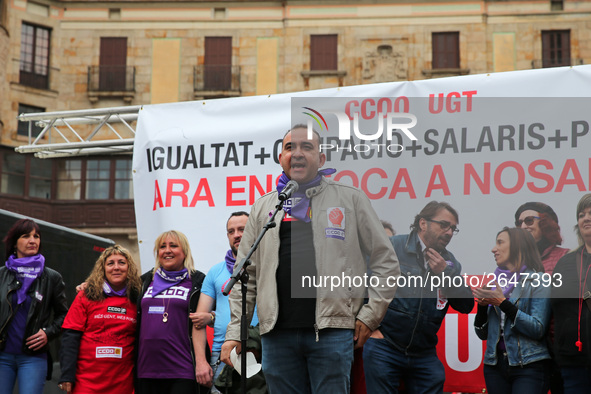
x,y
165,314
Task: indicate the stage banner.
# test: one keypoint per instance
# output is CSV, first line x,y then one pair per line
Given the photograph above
x,y
485,144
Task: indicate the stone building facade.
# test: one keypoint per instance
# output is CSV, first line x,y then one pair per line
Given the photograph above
x,y
80,54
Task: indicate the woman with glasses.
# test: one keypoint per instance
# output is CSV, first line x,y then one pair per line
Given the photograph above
x,y
541,221
513,317
571,305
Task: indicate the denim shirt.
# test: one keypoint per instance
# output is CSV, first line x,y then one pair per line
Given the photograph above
x,y
525,338
413,319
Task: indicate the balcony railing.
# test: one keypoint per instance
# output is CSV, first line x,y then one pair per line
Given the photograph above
x,y
216,80
554,62
111,81
111,78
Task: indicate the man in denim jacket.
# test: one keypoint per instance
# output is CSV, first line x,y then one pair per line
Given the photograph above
x,y
405,344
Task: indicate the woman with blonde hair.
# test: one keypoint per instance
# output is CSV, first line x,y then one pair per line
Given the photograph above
x,y
97,353
166,353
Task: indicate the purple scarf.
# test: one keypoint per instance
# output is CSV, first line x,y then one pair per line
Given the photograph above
x,y
301,208
109,292
509,277
230,261
165,279
26,270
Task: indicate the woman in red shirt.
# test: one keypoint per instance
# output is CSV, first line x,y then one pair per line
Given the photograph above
x,y
97,354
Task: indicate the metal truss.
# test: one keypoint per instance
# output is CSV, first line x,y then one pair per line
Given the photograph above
x,y
111,132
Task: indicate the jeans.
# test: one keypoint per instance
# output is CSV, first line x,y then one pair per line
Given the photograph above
x,y
530,378
294,362
577,380
215,356
385,367
29,370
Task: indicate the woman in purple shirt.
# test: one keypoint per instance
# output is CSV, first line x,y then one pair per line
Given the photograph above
x,y
169,293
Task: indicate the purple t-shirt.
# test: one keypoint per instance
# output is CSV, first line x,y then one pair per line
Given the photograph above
x,y
16,328
164,347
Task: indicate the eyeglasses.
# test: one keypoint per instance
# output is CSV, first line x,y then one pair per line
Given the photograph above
x,y
528,221
445,225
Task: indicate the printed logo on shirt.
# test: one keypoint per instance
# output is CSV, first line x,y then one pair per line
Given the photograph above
x,y
180,292
116,309
336,223
109,352
224,286
287,205
156,310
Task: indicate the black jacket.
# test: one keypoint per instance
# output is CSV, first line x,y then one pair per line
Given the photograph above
x,y
51,286
566,290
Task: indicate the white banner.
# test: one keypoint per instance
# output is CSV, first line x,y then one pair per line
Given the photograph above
x,y
484,143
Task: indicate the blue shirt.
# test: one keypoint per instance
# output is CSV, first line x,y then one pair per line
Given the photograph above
x,y
213,286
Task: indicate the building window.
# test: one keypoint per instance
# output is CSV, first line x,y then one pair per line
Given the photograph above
x,y
556,48
23,127
40,172
69,179
556,5
97,179
123,183
323,52
446,50
34,60
24,175
218,63
113,64
13,174
94,179
3,13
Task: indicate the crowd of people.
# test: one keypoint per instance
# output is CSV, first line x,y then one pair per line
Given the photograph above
x,y
127,332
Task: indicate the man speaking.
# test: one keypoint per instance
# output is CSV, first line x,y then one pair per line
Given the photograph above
x,y
327,231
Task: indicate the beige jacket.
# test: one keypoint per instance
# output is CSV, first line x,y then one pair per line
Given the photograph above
x,y
357,222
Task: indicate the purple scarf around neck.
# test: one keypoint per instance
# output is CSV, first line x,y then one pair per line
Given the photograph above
x,y
165,279
230,261
109,292
301,208
509,277
26,269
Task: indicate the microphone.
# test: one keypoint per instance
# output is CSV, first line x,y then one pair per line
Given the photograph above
x,y
288,190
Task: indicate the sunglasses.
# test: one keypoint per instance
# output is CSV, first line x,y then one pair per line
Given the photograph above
x,y
528,221
445,225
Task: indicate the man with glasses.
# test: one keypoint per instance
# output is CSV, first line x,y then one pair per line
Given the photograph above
x,y
404,346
